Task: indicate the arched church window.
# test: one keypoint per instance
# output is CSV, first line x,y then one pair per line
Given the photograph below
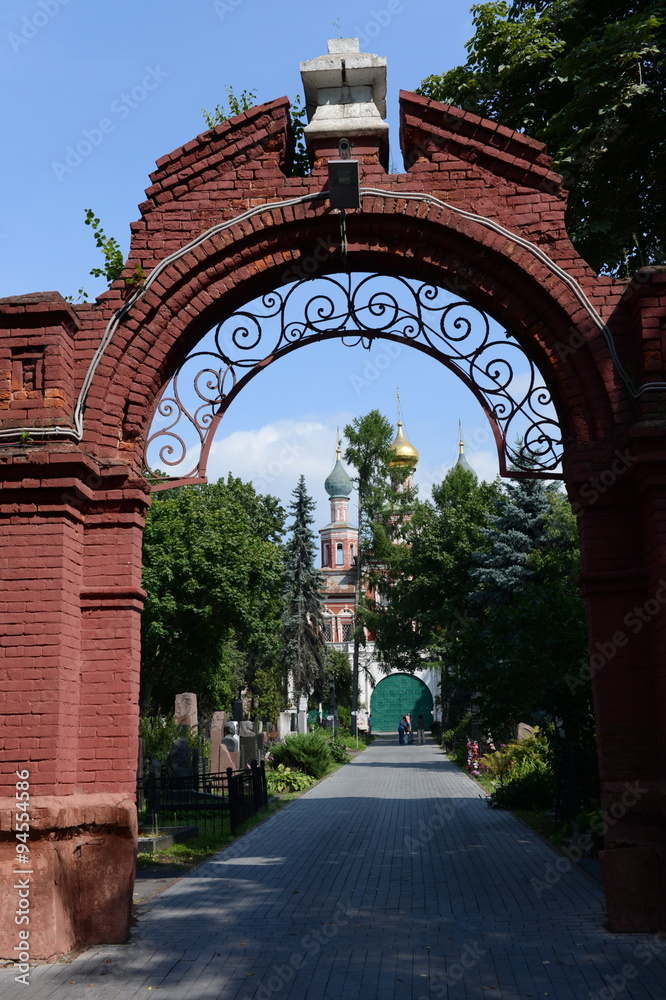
x,y
339,555
327,555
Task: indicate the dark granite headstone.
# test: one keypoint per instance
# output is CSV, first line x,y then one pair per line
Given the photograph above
x,y
249,750
179,761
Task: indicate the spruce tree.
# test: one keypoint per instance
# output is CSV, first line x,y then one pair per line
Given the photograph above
x,y
517,530
303,621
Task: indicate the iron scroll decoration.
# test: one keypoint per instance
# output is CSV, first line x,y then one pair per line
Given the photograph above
x,y
357,308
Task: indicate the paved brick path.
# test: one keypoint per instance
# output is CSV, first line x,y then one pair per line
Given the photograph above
x,y
391,880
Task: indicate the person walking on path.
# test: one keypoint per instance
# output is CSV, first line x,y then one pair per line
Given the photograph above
x,y
420,725
408,729
401,732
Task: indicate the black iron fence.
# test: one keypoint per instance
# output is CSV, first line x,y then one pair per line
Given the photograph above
x,y
215,803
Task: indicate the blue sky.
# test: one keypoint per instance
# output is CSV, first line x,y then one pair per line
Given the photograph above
x,y
147,70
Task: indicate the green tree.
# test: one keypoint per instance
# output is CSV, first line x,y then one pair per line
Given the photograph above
x,y
382,508
339,668
529,629
212,569
368,450
587,78
268,691
303,620
529,634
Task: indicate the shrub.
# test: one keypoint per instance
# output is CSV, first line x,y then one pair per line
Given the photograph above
x,y
534,791
344,715
159,732
460,732
517,759
345,737
307,752
436,730
286,779
338,751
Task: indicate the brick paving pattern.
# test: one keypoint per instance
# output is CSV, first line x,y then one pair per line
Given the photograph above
x,y
391,880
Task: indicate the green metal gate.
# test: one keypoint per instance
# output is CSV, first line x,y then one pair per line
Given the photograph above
x,y
396,695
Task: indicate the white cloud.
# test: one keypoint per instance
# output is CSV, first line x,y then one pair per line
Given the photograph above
x,y
273,457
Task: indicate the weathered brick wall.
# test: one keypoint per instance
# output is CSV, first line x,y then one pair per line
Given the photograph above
x,y
72,512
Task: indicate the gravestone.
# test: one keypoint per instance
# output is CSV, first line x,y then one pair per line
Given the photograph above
x,y
185,710
302,722
231,739
231,743
217,725
284,724
179,761
524,731
250,744
226,759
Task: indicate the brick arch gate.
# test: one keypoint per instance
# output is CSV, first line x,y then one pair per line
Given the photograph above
x,y
479,210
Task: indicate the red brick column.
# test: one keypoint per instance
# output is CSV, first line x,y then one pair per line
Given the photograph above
x,y
70,602
623,538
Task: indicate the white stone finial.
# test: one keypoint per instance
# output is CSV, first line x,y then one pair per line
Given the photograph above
x,y
337,46
345,93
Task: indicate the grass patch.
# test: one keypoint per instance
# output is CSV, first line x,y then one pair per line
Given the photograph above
x,y
542,822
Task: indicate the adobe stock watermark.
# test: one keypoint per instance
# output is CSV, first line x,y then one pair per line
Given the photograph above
x,y
311,945
378,363
120,109
635,621
23,871
379,19
598,485
32,24
285,458
645,952
469,957
442,813
631,796
308,266
477,437
224,7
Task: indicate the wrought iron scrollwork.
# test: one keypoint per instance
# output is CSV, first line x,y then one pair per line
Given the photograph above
x,y
358,309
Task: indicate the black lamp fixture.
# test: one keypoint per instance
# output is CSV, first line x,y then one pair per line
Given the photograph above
x,y
344,186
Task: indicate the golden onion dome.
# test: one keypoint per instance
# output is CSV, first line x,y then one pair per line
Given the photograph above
x,y
403,454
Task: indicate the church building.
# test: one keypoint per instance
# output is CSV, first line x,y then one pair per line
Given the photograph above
x,y
386,696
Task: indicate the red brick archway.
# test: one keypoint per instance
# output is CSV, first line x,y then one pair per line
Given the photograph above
x,y
480,210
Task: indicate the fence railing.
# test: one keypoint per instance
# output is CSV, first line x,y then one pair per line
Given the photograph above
x,y
209,801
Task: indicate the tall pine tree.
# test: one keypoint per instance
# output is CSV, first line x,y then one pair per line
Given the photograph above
x,y
303,621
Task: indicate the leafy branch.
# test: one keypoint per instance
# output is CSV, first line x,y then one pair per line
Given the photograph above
x,y
235,106
238,105
114,260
